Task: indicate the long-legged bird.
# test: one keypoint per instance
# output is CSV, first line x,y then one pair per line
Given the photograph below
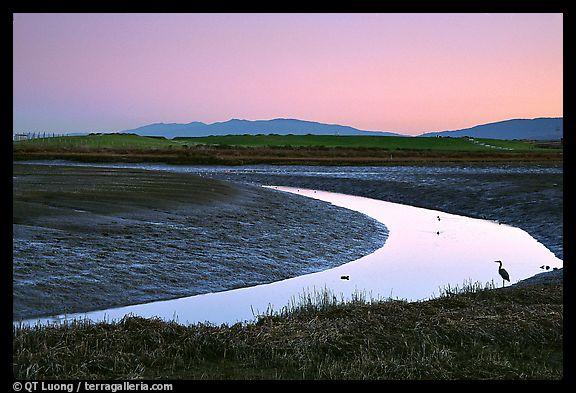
x,y
503,273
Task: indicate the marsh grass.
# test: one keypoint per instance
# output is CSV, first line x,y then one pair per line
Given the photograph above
x,y
469,286
317,300
467,333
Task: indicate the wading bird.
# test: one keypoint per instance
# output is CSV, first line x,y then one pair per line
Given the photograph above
x,y
503,273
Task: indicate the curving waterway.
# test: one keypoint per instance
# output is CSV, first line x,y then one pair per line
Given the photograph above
x,y
525,196
426,250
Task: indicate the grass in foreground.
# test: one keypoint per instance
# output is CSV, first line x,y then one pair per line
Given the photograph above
x,y
512,333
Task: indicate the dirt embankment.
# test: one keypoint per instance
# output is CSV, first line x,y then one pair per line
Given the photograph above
x,y
235,155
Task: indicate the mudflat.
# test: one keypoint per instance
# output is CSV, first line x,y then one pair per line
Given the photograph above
x,y
529,197
92,238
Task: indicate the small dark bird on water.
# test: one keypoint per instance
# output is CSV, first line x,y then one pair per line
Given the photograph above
x,y
345,277
438,218
438,232
503,273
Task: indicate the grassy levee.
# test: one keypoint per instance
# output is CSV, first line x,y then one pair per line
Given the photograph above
x,y
283,150
510,333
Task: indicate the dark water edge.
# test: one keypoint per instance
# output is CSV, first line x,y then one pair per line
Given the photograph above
x,y
529,197
88,238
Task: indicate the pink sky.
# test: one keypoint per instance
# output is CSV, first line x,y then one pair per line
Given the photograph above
x,y
407,73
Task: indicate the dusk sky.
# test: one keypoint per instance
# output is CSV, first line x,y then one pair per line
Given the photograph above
x,y
407,73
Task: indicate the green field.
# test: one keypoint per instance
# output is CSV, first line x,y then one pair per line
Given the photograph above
x,y
379,142
125,141
99,141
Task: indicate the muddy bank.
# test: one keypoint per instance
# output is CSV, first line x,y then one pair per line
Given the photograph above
x,y
423,256
553,277
528,197
93,238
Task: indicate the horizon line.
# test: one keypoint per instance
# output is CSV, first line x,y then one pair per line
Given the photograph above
x,y
291,118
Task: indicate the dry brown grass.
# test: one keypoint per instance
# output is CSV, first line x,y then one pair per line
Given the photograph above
x,y
228,155
512,333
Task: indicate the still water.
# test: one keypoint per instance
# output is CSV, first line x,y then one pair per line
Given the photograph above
x,y
426,250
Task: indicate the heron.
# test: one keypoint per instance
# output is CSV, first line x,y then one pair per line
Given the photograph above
x,y
503,273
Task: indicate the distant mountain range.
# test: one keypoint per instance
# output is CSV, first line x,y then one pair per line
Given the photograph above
x,y
543,128
535,129
240,127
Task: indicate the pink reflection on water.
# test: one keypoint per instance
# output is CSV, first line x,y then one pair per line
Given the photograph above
x,y
422,255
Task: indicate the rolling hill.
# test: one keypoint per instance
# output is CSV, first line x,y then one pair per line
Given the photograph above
x,y
543,128
240,127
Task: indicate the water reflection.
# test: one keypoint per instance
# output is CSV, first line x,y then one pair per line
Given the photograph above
x,y
426,250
